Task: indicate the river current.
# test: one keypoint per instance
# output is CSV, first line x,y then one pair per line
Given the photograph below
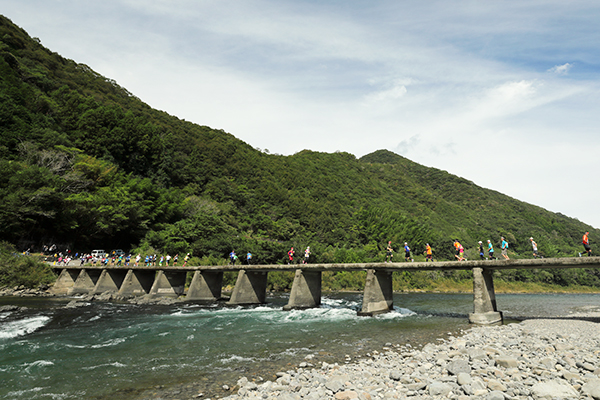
x,y
111,350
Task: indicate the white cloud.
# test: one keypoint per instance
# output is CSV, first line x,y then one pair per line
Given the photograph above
x,y
561,69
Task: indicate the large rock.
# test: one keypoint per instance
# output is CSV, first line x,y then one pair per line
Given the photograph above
x,y
496,386
464,379
495,395
396,375
346,395
552,389
336,383
458,366
439,389
592,388
507,362
477,354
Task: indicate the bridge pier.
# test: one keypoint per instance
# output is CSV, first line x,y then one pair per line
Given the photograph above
x,y
86,281
109,281
137,282
378,296
65,281
250,288
485,311
306,290
168,284
206,286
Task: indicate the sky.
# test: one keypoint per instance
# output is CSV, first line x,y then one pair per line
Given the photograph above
x,y
503,93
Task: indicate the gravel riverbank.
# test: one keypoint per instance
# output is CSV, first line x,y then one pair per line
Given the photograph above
x,y
534,359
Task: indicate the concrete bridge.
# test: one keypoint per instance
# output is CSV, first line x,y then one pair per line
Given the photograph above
x,y
251,284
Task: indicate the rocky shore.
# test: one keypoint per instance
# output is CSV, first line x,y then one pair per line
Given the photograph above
x,y
534,359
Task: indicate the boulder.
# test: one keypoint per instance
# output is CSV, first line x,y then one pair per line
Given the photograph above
x,y
495,395
552,389
458,366
592,388
464,379
439,389
507,362
346,395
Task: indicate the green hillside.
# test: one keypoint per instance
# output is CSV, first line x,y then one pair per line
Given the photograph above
x,y
85,164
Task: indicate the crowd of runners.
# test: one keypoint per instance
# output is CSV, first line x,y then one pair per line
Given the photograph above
x,y
459,250
116,258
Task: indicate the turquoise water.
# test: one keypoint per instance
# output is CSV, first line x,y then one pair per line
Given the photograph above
x,y
108,350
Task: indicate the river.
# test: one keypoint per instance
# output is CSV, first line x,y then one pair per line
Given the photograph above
x,y
118,350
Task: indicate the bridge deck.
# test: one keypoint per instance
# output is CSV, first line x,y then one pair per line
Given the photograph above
x,y
541,263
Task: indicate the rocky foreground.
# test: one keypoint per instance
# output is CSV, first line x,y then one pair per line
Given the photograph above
x,y
535,359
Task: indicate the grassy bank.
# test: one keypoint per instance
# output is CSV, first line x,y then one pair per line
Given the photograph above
x,y
17,269
500,286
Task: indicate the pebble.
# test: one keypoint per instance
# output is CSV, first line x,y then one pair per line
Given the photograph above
x,y
535,359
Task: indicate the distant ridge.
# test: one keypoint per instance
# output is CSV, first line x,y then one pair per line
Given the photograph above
x,y
382,157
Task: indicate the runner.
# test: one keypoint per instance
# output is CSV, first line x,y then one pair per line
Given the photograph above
x,y
534,246
291,256
390,252
407,253
232,257
459,250
586,244
248,258
491,250
428,253
504,247
481,253
186,259
306,255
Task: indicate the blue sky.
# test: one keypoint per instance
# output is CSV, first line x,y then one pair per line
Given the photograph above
x,y
503,93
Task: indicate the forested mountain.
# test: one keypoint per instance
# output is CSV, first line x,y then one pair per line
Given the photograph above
x,y
85,164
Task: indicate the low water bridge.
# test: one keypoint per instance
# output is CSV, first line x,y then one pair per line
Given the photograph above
x,y
251,284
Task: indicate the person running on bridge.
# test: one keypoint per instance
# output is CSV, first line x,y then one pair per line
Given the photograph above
x,y
248,258
175,258
534,247
306,255
491,250
481,253
291,256
167,259
586,244
232,257
504,247
459,250
407,253
389,252
428,253
186,259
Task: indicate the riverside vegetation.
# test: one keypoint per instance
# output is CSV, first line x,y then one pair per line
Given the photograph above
x,y
85,164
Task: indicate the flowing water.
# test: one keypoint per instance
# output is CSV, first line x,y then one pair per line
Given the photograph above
x,y
118,350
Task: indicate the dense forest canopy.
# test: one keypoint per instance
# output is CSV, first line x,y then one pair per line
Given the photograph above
x,y
85,164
